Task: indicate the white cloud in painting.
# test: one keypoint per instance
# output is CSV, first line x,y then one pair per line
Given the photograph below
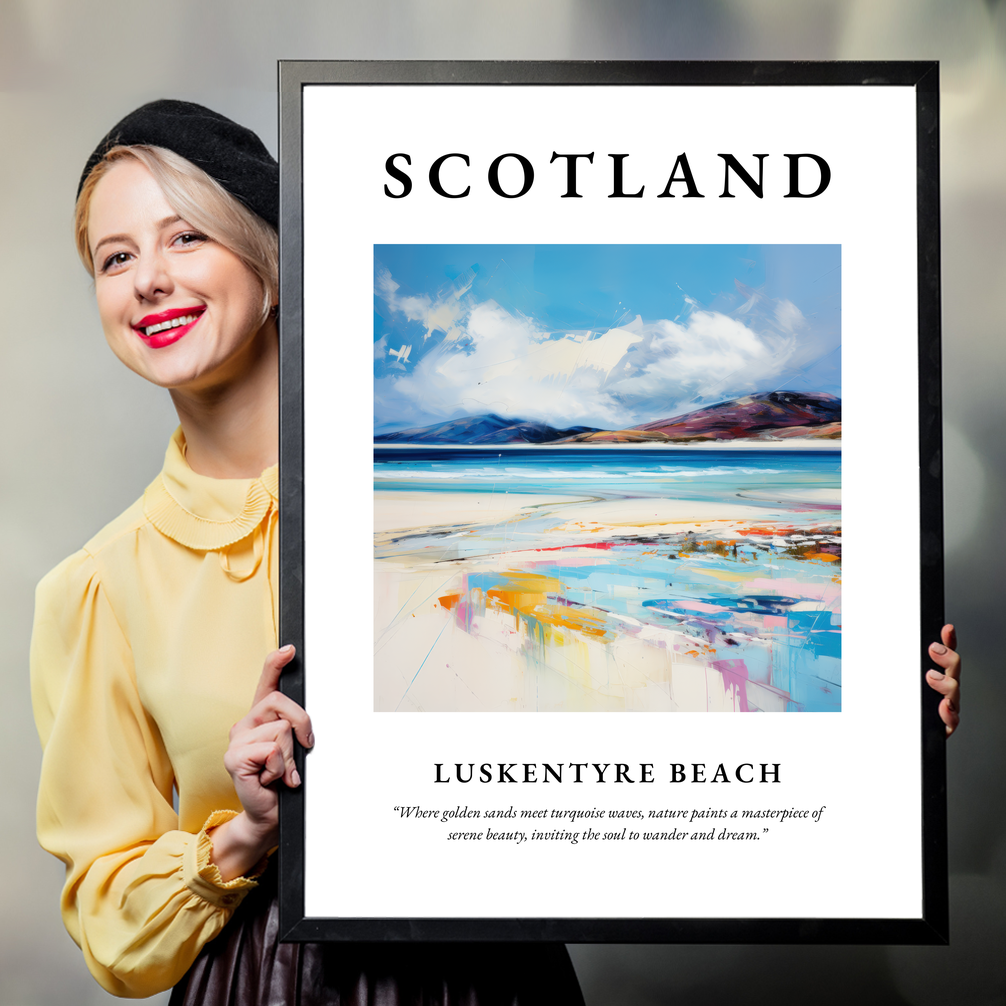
x,y
710,355
442,314
487,359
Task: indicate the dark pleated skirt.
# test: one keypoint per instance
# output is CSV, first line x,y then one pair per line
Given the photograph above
x,y
246,965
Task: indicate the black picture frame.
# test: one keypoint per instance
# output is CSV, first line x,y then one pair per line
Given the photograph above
x,y
931,927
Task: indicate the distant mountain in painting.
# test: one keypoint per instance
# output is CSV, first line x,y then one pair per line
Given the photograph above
x,y
772,416
490,429
767,417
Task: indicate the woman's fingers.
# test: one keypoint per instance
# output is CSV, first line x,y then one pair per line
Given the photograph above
x,y
261,749
277,706
950,716
947,680
270,703
949,636
274,766
271,670
261,761
948,659
277,735
949,710
947,686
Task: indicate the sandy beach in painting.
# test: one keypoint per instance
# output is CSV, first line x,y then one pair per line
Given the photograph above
x,y
604,601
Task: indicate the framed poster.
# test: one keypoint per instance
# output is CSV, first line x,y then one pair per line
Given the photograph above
x,y
610,418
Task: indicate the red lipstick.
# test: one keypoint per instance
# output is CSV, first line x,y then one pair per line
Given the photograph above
x,y
166,327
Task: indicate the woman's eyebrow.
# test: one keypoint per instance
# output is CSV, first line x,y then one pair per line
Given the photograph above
x,y
160,225
109,240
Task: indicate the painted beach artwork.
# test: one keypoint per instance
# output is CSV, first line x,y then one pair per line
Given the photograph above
x,y
607,478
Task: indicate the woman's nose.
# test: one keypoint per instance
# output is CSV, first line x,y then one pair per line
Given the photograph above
x,y
152,277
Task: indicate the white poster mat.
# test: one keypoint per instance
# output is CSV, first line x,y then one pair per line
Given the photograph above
x,y
863,857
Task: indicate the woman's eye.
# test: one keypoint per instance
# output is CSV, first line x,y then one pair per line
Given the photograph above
x,y
190,238
114,261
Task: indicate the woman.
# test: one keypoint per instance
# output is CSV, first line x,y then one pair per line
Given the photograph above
x,y
148,643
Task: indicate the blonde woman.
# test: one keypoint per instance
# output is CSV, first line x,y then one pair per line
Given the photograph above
x,y
165,736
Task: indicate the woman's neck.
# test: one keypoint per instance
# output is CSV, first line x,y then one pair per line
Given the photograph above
x,y
231,426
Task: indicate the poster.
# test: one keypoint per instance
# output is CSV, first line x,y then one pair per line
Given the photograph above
x,y
607,440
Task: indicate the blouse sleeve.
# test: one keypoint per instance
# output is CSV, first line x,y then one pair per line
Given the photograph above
x,y
141,898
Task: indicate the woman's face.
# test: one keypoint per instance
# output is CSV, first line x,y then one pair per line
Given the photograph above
x,y
177,308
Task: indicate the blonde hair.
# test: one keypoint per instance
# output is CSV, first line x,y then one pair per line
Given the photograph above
x,y
199,200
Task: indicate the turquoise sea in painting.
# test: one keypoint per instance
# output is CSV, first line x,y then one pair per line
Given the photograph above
x,y
623,578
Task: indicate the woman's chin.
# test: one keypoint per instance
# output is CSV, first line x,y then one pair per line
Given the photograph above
x,y
196,365
173,374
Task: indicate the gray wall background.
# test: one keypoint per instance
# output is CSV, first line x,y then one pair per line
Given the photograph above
x,y
82,436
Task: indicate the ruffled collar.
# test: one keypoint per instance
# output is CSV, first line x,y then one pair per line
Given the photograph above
x,y
203,513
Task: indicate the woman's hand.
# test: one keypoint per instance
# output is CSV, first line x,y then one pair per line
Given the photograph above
x,y
947,682
260,753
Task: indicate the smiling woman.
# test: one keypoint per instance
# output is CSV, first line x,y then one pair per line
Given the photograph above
x,y
148,642
157,279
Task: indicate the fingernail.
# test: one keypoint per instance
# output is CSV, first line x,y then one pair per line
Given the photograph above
x,y
287,649
936,675
295,777
310,740
938,648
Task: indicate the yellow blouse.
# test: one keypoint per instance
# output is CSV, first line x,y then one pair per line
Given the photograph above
x,y
147,647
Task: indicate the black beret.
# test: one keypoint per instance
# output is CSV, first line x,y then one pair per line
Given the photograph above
x,y
230,154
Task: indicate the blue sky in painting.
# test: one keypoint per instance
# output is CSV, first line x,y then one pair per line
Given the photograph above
x,y
607,336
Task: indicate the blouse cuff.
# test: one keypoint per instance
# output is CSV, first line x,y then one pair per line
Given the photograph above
x,y
202,876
